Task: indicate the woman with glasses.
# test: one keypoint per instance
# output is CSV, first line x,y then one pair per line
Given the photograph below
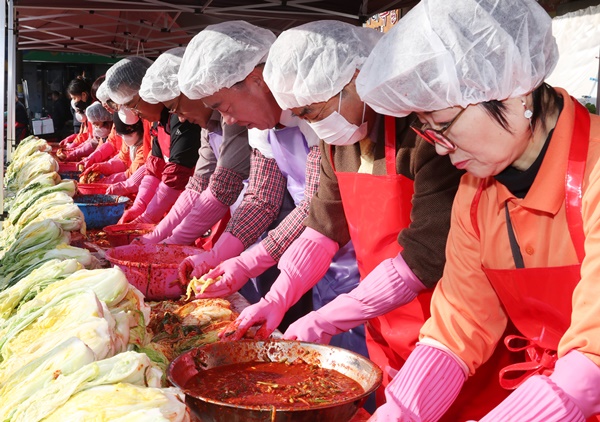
x,y
523,244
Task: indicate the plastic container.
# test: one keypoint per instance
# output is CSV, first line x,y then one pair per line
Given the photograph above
x,y
123,234
92,188
101,210
152,268
70,175
66,166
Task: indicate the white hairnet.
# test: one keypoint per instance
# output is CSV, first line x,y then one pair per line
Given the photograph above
x,y
124,78
445,53
221,56
97,113
102,93
161,82
313,62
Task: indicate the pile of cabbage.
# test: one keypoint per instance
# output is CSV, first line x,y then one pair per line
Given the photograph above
x,y
67,350
41,214
71,337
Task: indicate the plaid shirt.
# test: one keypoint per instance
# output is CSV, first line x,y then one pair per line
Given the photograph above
x,y
262,200
281,237
225,184
198,182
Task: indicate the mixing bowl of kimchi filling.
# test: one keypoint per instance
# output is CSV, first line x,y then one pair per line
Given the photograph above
x,y
274,380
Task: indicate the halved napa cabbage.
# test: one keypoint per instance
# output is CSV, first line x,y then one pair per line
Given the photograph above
x,y
128,367
66,358
34,283
109,284
27,335
128,403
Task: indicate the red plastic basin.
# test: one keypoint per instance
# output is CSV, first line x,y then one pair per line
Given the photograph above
x,y
67,166
92,188
152,268
123,234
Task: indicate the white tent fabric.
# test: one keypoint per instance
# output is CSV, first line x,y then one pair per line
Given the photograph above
x,y
578,37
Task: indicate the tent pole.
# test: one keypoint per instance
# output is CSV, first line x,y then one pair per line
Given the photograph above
x,y
11,86
2,98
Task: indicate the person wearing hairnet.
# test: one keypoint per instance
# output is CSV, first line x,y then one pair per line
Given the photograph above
x,y
174,145
101,121
131,156
222,166
113,144
137,168
229,79
522,242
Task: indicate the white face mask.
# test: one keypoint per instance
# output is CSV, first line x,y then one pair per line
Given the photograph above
x,y
81,118
131,139
336,130
101,132
128,116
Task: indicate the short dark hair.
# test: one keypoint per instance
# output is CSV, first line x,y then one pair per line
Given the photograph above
x,y
544,98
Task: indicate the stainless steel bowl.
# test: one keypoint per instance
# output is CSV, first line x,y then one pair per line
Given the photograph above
x,y
351,364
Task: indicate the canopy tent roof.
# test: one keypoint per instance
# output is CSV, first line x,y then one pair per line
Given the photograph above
x,y
149,27
118,28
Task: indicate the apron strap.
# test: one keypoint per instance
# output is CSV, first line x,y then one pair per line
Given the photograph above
x,y
541,361
390,144
514,245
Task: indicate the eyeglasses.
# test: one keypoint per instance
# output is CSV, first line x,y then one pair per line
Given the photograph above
x,y
436,136
134,106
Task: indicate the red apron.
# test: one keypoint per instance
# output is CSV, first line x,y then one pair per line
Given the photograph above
x,y
377,208
538,300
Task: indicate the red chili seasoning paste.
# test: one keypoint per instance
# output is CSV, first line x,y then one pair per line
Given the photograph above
x,y
274,384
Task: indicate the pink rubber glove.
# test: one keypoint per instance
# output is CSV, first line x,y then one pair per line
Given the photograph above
x,y
571,393
82,150
579,377
162,201
107,167
145,194
390,285
67,140
131,185
302,266
424,388
203,215
235,272
115,178
197,265
102,153
176,214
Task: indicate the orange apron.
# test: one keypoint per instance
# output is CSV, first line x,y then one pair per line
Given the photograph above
x,y
377,208
538,300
